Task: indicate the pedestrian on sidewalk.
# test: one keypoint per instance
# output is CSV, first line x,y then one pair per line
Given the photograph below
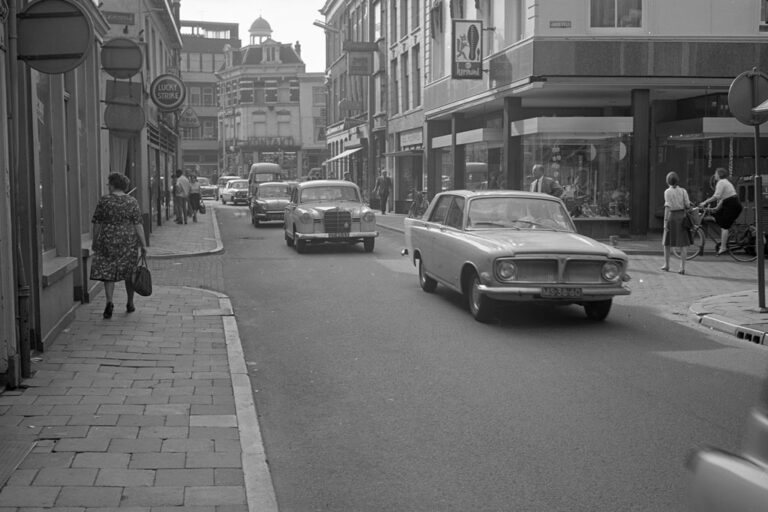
x,y
382,189
727,207
194,196
117,234
676,204
180,197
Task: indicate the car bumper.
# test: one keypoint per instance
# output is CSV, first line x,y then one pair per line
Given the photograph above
x,y
534,293
238,200
332,237
269,216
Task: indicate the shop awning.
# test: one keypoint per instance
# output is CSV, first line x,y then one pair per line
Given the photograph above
x,y
343,154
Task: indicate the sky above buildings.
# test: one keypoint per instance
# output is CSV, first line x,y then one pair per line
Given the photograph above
x,y
291,21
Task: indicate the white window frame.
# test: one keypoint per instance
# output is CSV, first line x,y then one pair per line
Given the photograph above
x,y
617,29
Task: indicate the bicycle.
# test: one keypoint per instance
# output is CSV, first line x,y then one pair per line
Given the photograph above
x,y
741,243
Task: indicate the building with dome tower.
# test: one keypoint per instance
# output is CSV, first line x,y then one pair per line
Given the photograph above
x,y
270,108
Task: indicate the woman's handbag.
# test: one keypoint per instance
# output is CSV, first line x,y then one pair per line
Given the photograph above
x,y
202,207
687,221
142,279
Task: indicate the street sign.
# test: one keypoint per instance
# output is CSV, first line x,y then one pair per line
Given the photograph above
x,y
167,92
467,45
742,99
121,58
359,46
54,36
189,119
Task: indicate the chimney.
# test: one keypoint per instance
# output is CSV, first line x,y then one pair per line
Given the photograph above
x,y
297,47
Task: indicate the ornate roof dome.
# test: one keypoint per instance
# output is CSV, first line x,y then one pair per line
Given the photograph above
x,y
260,27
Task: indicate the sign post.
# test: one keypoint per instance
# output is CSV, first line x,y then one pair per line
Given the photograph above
x,y
746,99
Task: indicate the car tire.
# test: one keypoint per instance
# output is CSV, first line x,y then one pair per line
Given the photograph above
x,y
223,201
368,244
427,284
599,310
301,245
288,240
480,306
256,221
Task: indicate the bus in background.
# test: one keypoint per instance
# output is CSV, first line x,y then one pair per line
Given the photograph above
x,y
263,172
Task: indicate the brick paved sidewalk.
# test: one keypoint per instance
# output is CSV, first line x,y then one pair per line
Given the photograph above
x,y
147,411
173,240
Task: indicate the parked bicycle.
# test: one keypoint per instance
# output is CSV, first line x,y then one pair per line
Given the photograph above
x,y
742,242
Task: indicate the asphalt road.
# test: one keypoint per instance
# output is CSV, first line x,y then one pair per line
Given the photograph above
x,y
375,396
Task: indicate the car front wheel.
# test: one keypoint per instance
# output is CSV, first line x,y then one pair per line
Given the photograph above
x,y
599,310
478,304
223,201
368,244
428,284
288,240
301,245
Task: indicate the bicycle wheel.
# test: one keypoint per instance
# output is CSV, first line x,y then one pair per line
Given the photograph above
x,y
695,248
742,243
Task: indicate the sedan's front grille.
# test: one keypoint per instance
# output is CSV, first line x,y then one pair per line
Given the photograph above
x,y
583,271
537,270
337,221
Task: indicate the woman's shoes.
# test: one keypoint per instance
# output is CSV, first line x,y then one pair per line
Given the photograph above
x,y
108,310
130,308
720,253
664,268
681,272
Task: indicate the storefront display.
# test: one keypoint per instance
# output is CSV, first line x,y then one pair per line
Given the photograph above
x,y
594,172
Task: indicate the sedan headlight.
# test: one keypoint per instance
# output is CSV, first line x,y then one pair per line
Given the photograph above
x,y
369,216
506,270
611,271
305,218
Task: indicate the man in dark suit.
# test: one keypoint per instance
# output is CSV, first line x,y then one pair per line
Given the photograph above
x,y
382,189
545,184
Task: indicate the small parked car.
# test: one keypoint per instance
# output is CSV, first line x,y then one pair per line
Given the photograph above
x,y
207,189
269,202
235,191
328,211
503,246
223,180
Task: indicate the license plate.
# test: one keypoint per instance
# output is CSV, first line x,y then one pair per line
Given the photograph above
x,y
560,292
338,235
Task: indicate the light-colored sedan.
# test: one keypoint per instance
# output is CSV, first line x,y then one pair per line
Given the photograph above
x,y
235,191
328,211
512,246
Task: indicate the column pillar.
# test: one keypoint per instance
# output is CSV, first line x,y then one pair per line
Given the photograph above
x,y
512,170
639,169
457,154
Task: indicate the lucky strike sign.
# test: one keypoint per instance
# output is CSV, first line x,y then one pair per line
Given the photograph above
x,y
168,92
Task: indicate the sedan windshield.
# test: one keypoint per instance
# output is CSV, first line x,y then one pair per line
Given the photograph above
x,y
237,184
273,191
517,213
204,182
329,193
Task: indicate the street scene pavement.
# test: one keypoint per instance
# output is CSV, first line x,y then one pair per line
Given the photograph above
x,y
155,410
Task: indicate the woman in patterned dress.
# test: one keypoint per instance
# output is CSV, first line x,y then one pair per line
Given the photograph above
x,y
117,234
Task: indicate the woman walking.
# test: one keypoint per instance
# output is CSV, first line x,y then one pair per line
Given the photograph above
x,y
676,203
117,234
194,196
727,209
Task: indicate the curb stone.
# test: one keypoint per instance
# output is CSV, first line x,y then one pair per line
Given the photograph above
x,y
217,250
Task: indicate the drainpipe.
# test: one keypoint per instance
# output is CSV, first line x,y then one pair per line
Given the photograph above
x,y
23,290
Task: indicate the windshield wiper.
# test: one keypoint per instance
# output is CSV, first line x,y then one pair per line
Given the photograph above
x,y
492,224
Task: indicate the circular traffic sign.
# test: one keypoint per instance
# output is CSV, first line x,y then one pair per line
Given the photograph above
x,y
121,58
54,36
168,92
742,97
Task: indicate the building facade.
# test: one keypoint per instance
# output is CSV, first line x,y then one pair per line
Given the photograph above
x,y
610,95
53,153
269,106
201,56
356,84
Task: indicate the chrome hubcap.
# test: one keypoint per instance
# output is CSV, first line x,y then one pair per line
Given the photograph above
x,y
475,295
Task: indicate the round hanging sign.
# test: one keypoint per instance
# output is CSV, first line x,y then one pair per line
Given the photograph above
x,y
54,36
742,97
167,92
121,58
124,116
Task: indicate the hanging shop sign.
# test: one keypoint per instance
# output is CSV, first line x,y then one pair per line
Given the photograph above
x,y
167,92
124,116
121,58
360,63
119,18
54,35
189,119
467,55
745,95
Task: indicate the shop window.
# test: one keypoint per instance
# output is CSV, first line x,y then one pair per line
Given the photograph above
x,y
616,13
594,173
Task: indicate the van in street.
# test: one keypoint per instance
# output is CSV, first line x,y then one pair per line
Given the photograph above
x,y
263,172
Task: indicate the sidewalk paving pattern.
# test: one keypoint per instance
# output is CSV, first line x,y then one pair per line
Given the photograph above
x,y
148,411
153,411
